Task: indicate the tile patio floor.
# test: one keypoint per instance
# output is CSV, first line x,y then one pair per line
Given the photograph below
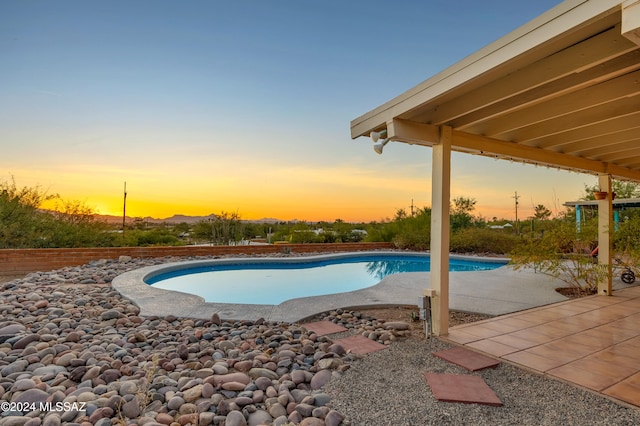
x,y
593,342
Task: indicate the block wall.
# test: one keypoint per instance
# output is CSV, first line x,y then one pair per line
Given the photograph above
x,y
16,262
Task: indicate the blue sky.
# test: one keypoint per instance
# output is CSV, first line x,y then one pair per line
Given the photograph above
x,y
209,106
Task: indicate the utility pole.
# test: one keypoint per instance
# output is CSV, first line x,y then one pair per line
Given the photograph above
x,y
516,198
124,211
412,211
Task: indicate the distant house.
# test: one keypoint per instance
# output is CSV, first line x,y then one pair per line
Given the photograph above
x,y
506,225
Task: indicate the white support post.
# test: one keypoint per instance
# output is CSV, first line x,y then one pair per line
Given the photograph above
x,y
605,226
440,199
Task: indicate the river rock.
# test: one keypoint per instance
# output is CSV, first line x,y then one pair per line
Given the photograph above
x,y
320,379
131,409
254,373
12,329
333,418
235,418
62,342
396,325
218,380
312,421
193,393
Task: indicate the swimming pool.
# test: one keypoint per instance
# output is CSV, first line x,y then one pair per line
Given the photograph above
x,y
271,281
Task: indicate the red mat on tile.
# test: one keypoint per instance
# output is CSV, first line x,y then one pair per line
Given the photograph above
x,y
461,388
359,344
324,327
465,358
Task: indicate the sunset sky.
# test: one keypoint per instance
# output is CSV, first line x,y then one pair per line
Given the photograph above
x,y
244,106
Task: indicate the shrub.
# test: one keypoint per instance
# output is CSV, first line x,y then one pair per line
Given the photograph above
x,y
627,238
381,232
156,237
417,240
24,224
414,233
482,240
564,254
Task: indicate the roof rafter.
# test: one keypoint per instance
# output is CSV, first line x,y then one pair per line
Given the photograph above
x,y
562,90
567,105
568,84
572,60
484,146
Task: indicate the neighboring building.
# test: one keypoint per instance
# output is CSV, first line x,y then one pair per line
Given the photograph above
x,y
619,205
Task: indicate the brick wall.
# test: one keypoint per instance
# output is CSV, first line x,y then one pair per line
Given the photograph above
x,y
22,261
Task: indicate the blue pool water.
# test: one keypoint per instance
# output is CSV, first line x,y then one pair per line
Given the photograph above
x,y
273,281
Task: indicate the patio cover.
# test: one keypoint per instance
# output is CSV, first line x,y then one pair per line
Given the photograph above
x,y
561,91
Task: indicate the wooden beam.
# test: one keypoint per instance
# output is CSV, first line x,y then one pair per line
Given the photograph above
x,y
582,56
631,20
593,146
412,132
567,105
621,65
599,129
486,146
561,27
580,119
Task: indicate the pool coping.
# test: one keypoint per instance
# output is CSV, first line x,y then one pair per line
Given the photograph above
x,y
503,291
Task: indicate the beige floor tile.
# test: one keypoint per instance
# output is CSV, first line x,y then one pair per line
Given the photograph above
x,y
593,342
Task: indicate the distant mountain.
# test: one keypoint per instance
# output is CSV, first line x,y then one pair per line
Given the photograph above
x,y
109,218
180,218
176,218
269,220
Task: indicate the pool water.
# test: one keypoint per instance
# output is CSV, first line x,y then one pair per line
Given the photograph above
x,y
275,281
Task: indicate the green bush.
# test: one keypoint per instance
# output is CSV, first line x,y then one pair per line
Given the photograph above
x,y
23,224
303,236
378,232
562,253
414,232
60,232
155,237
627,238
417,240
482,240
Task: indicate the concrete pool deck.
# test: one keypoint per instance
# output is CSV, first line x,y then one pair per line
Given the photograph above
x,y
493,292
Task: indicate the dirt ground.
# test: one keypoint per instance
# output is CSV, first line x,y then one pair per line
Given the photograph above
x,y
407,314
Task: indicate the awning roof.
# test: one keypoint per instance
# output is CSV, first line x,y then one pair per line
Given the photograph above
x,y
617,203
562,91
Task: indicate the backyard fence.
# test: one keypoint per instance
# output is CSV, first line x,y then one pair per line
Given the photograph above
x,y
16,262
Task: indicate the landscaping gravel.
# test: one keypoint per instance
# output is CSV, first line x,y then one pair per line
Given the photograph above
x,y
73,351
388,387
